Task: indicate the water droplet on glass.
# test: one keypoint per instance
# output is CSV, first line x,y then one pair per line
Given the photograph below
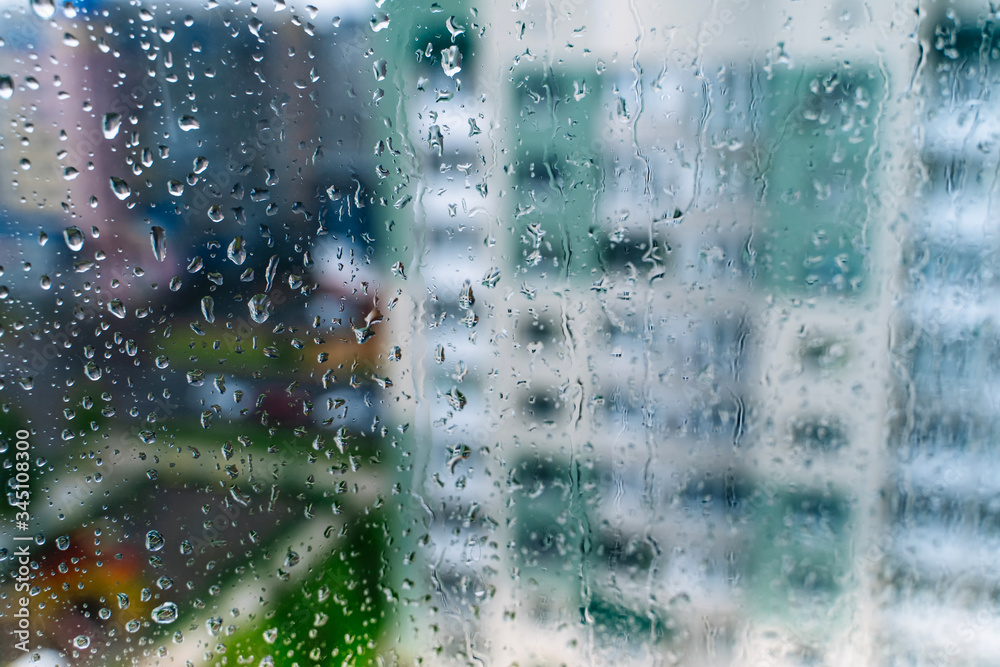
x,y
237,251
92,370
133,626
272,270
176,188
213,625
158,238
167,34
6,86
117,308
81,641
45,9
111,124
215,213
165,613
451,60
120,188
25,164
62,542
270,635
465,297
208,309
74,238
456,399
188,123
492,277
260,308
154,540
255,25
122,601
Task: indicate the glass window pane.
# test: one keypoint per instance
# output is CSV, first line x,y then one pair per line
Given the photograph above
x,y
536,333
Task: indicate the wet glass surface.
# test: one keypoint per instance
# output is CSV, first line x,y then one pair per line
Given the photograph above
x,y
523,334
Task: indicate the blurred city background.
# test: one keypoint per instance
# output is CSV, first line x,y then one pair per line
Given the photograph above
x,y
535,333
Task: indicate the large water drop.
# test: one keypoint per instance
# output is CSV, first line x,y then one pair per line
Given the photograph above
x,y
154,540
272,270
117,308
92,370
120,188
165,613
237,251
208,309
111,124
158,238
260,308
74,238
44,9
